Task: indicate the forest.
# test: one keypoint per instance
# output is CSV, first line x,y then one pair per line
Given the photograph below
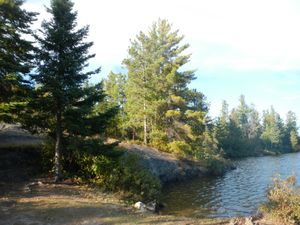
x,y
45,87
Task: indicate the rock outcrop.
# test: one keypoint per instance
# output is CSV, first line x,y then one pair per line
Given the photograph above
x,y
165,166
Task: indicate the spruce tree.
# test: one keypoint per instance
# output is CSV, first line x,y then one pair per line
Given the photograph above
x,y
290,129
16,55
63,104
222,127
272,135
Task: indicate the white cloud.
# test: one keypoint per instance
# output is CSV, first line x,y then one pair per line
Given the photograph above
x,y
266,32
253,38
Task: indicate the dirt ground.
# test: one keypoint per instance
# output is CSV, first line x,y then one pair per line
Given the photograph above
x,y
42,202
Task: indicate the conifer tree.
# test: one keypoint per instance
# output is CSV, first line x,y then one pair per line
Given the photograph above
x,y
114,87
16,55
63,103
272,135
156,89
222,127
290,130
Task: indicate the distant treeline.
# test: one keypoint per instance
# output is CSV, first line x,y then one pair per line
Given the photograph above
x,y
242,132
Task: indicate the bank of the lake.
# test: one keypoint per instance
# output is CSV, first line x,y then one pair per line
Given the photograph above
x,y
42,202
46,202
239,192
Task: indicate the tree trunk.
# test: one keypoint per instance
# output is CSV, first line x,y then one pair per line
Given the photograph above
x,y
145,125
57,157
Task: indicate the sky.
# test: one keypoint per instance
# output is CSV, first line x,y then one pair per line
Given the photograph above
x,y
249,47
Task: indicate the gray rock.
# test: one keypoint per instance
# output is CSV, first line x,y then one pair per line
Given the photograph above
x,y
165,166
140,206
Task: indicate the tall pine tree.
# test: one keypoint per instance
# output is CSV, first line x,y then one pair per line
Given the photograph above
x,y
156,89
63,104
16,55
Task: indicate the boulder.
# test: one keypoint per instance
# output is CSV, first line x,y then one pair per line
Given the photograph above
x,y
140,206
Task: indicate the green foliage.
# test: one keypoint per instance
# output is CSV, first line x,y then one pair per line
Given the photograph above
x,y
106,166
272,135
123,174
217,165
114,87
241,133
16,56
283,201
62,94
139,181
159,140
156,89
48,154
180,148
173,114
294,140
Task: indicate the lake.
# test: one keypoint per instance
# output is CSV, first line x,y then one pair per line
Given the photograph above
x,y
237,193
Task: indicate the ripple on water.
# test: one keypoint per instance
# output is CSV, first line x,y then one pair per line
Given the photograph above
x,y
238,193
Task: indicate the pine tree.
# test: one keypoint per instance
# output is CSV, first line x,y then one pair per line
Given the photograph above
x,y
290,128
222,127
294,140
63,104
16,55
114,87
272,135
156,89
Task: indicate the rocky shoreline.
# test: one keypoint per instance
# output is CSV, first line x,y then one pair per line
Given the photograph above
x,y
167,167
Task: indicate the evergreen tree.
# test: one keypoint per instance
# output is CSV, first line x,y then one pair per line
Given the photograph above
x,y
63,104
272,135
16,55
294,140
114,86
290,128
222,127
156,90
239,133
255,128
243,116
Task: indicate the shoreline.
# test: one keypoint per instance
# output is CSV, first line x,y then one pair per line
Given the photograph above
x,y
43,202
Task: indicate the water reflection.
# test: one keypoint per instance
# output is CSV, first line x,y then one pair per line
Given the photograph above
x,y
237,193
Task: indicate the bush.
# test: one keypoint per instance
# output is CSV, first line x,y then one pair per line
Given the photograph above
x,y
217,165
159,140
47,159
123,174
138,181
180,148
108,167
283,201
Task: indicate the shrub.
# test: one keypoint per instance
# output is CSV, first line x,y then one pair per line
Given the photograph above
x,y
107,166
217,165
159,140
180,148
123,174
47,159
283,201
137,180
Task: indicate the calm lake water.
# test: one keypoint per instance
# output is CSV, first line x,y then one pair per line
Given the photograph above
x,y
238,193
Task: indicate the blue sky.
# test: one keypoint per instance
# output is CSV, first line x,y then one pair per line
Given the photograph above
x,y
249,47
